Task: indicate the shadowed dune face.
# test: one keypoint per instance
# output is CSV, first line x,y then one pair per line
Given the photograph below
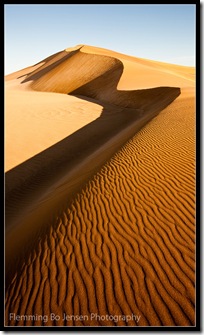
x,y
39,67
96,77
50,63
71,71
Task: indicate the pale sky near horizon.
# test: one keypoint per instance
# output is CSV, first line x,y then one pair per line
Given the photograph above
x,y
158,32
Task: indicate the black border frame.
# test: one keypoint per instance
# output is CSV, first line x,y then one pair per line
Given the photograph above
x,y
199,247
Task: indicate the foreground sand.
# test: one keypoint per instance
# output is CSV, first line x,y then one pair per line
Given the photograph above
x,y
124,242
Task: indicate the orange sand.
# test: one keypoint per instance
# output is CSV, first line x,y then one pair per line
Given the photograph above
x,y
100,190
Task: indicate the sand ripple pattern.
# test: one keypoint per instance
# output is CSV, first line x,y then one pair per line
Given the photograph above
x,y
126,244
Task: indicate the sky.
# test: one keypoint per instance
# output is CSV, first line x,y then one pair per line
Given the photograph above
x,y
158,32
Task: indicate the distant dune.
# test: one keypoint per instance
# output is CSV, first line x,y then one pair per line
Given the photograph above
x,y
100,190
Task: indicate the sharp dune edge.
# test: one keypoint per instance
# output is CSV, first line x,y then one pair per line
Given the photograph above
x,y
100,212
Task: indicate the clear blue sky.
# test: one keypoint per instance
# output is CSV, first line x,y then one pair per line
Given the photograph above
x,y
158,32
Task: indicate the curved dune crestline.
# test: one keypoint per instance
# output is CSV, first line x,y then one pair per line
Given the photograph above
x,y
100,224
95,76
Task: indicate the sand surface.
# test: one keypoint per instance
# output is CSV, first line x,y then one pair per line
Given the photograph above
x,y
100,191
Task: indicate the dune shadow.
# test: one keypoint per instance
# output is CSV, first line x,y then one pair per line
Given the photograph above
x,y
30,198
65,155
45,68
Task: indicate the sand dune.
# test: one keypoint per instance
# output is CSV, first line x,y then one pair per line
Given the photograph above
x,y
137,73
102,220
84,64
78,71
82,69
